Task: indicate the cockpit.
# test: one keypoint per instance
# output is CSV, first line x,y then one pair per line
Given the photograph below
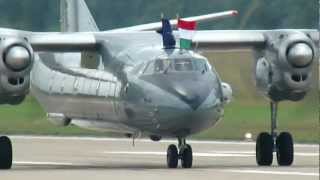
x,y
166,65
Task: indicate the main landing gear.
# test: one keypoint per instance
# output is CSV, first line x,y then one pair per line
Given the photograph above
x,y
267,143
184,154
5,153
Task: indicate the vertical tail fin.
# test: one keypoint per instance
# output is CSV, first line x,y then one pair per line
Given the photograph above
x,y
76,17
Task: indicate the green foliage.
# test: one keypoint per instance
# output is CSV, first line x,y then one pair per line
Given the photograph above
x,y
39,15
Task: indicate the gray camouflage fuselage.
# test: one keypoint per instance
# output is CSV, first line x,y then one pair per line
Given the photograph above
x,y
121,96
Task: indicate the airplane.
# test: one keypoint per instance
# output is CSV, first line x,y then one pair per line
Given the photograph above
x,y
138,80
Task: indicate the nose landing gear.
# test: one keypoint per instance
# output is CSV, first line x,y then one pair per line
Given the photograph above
x,y
184,154
267,143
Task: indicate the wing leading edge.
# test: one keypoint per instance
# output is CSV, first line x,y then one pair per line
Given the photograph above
x,y
63,42
53,41
234,39
158,25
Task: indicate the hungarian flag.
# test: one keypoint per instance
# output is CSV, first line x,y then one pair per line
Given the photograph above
x,y
187,30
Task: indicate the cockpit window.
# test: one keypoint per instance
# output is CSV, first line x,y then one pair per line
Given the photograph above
x,y
149,68
183,65
157,66
201,65
160,65
179,64
138,69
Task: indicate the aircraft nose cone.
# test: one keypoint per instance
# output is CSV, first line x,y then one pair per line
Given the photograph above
x,y
191,88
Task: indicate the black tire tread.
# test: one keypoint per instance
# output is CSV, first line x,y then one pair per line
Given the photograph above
x,y
187,157
264,149
285,149
172,156
5,153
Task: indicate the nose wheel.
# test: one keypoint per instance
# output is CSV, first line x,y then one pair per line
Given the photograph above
x,y
5,153
172,156
184,154
267,143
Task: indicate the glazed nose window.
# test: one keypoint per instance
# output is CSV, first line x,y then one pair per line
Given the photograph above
x,y
183,65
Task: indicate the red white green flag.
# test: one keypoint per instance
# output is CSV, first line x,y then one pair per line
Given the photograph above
x,y
187,30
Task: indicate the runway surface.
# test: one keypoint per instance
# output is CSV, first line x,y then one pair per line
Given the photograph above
x,y
53,158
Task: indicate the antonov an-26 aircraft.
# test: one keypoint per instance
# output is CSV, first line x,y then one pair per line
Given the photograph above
x,y
138,80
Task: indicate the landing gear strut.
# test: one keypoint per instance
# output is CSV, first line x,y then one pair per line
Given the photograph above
x,y
184,154
267,143
5,153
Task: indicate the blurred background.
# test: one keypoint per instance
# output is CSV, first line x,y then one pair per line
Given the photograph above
x,y
39,15
248,112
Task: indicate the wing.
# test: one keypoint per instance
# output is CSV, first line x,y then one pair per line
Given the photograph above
x,y
53,41
234,39
63,42
158,25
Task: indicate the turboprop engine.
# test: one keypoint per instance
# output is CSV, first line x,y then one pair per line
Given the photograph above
x,y
16,59
284,69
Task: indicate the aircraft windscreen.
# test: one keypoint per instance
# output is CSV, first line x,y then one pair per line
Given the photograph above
x,y
183,65
179,64
200,65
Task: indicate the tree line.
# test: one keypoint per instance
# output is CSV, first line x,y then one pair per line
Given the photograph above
x,y
40,15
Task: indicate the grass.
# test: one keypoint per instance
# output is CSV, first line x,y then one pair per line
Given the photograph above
x,y
249,112
29,118
241,118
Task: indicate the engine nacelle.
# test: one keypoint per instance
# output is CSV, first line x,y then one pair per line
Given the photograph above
x,y
284,69
16,59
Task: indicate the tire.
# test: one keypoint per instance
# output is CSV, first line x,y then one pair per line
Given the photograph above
x,y
172,156
285,149
264,149
5,153
186,160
